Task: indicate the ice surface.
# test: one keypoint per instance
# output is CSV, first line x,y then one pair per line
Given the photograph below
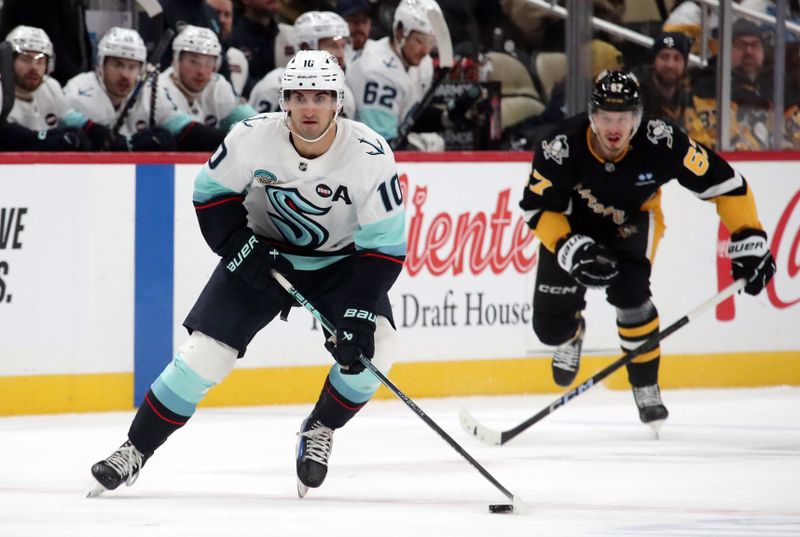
x,y
727,464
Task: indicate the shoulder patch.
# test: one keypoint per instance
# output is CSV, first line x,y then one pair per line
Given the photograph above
x,y
557,149
657,130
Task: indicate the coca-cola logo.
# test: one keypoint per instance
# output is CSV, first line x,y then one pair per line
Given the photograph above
x,y
470,241
785,248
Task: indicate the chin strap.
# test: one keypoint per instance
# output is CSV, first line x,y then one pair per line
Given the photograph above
x,y
288,127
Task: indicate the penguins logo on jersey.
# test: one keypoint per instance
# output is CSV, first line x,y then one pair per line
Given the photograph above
x,y
657,130
557,149
293,217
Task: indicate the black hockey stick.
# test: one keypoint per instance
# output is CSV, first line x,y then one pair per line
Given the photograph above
x,y
151,71
517,503
489,436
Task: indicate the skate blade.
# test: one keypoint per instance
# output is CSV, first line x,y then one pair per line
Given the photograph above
x,y
96,491
656,427
302,490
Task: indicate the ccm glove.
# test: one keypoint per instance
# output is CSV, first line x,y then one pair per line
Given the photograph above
x,y
251,258
355,335
590,264
751,259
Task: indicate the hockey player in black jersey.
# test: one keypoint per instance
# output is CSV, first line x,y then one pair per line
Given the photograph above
x,y
594,201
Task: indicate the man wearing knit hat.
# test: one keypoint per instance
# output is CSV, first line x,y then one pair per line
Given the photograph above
x,y
665,88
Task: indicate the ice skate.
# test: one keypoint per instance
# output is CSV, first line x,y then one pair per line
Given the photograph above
x,y
122,466
652,411
314,444
567,358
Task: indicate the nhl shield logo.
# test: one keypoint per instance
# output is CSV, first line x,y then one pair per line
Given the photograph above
x,y
557,149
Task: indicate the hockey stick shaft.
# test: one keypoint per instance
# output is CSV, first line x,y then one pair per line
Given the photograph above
x,y
411,119
281,279
648,345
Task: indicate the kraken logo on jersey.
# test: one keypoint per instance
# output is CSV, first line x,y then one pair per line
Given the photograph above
x,y
292,218
658,130
377,149
557,149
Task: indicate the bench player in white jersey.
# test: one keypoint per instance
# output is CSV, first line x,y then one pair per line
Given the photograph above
x,y
391,76
313,30
194,85
102,96
40,103
317,198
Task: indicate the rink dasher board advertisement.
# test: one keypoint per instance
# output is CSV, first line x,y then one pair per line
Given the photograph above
x,y
100,261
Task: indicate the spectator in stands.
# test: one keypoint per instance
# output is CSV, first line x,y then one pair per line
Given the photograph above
x,y
358,15
64,21
664,83
314,30
40,103
193,84
177,14
266,43
224,9
750,94
111,96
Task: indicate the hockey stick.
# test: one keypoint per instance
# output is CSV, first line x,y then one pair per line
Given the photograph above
x,y
150,68
516,501
154,69
445,46
489,436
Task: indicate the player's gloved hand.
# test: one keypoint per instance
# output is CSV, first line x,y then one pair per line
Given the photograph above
x,y
458,107
355,334
101,139
251,258
586,261
751,259
155,139
62,139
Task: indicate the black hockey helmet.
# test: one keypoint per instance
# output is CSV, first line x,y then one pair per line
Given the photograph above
x,y
616,91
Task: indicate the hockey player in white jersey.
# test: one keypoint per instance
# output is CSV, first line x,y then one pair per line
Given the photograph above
x,y
194,85
313,30
40,103
102,96
317,198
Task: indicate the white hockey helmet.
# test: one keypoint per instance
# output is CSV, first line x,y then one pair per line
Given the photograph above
x,y
312,26
121,43
413,15
313,70
199,40
29,38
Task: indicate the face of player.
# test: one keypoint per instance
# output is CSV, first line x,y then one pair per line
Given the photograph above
x,y
360,25
669,67
334,45
747,56
120,75
417,46
195,70
311,112
29,69
613,131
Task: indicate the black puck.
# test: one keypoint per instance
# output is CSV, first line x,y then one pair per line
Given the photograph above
x,y
501,508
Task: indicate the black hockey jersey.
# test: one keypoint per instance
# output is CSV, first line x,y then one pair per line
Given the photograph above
x,y
569,178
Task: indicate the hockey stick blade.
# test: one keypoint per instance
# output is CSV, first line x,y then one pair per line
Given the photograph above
x,y
516,500
489,436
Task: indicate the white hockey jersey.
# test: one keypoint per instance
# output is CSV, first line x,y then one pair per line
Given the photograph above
x,y
350,54
385,91
49,108
216,106
324,208
264,95
87,96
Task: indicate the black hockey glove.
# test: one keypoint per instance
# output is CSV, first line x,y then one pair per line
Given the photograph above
x,y
62,139
458,107
100,138
155,139
355,335
751,259
251,258
590,264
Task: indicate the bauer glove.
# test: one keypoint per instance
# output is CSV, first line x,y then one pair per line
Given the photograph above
x,y
590,264
751,259
355,335
252,259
